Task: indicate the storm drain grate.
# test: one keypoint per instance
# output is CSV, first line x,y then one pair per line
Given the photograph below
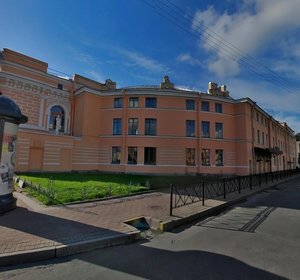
x,y
257,220
238,219
139,223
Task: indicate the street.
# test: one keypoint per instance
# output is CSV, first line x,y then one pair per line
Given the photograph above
x,y
257,239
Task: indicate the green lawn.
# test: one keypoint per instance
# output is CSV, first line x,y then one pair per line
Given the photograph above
x,y
60,188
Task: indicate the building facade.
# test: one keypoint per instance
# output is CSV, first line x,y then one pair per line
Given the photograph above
x,y
79,124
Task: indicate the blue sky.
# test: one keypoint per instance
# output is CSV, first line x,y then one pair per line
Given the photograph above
x,y
252,46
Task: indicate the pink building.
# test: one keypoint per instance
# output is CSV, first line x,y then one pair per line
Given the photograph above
x,y
80,124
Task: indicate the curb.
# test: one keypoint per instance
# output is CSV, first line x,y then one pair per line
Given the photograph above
x,y
57,251
171,224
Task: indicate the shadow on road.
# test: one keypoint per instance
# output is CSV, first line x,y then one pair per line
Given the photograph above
x,y
151,263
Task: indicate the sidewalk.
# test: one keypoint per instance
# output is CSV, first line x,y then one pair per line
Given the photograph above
x,y
35,232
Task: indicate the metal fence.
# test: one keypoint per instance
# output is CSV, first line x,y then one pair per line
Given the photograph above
x,y
188,194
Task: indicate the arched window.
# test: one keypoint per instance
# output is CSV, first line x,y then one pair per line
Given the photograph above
x,y
57,119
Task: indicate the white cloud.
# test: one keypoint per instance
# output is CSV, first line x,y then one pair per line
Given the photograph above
x,y
254,27
187,58
138,60
223,66
282,105
288,67
291,120
95,76
85,58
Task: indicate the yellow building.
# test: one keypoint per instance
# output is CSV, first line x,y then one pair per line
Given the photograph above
x,y
81,124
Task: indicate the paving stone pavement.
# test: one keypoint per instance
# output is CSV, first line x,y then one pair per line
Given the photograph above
x,y
33,226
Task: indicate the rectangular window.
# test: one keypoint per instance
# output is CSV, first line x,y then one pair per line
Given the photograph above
x,y
190,128
133,126
132,155
257,117
118,102
205,157
149,156
190,156
205,129
263,138
151,102
219,108
117,126
133,102
205,106
261,119
219,130
190,104
60,86
150,126
258,136
116,155
219,157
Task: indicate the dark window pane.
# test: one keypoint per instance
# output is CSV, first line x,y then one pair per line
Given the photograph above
x,y
150,155
219,130
151,102
205,106
219,157
190,156
205,129
132,155
150,126
205,157
118,102
190,128
133,102
133,126
117,126
116,155
190,104
219,108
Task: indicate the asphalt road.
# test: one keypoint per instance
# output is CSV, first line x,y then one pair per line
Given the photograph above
x,y
257,239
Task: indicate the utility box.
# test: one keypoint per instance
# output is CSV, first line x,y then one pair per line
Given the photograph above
x,y
10,118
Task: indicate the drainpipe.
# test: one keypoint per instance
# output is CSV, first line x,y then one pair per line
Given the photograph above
x,y
269,142
72,113
124,132
198,132
252,129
